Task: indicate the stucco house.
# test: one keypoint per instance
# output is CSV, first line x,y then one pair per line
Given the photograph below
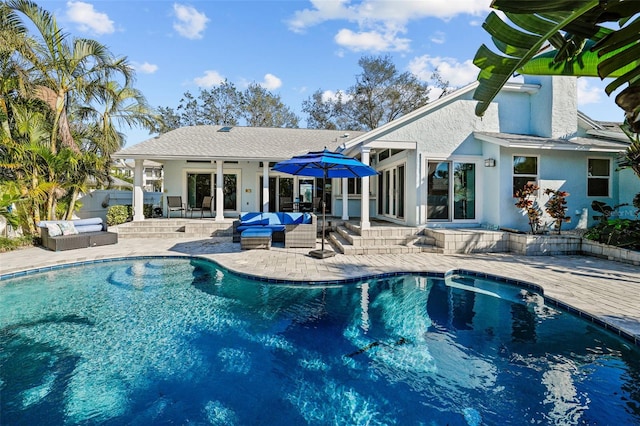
x,y
439,166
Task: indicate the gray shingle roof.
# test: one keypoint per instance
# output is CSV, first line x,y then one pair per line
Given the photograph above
x,y
239,143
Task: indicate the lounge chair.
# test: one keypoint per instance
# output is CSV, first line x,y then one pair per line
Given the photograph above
x,y
206,205
174,203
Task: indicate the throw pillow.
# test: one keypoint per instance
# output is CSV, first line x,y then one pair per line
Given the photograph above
x,y
54,230
68,228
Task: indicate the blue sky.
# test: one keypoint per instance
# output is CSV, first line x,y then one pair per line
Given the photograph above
x,y
292,48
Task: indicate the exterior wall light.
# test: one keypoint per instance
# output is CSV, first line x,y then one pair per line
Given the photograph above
x,y
489,162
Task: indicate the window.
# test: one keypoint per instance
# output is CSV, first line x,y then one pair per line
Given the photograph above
x,y
354,186
525,170
599,170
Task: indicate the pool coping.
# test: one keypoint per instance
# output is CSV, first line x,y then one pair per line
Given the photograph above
x,y
601,323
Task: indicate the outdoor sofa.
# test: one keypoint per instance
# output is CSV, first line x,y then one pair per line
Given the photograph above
x,y
292,228
58,235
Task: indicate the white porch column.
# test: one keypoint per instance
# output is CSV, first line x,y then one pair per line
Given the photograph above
x,y
265,186
138,195
219,191
345,199
364,206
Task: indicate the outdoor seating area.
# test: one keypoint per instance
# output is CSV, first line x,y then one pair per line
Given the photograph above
x,y
292,228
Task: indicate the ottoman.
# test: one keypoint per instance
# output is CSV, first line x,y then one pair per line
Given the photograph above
x,y
255,239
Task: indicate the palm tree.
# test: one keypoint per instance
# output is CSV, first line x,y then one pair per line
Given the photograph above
x,y
582,44
118,107
61,67
86,94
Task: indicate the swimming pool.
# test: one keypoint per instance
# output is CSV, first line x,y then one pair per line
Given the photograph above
x,y
152,341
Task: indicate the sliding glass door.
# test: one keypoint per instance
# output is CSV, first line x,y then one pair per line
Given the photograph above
x,y
391,192
200,185
446,196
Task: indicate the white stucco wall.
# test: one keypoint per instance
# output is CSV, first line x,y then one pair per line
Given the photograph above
x,y
554,109
563,170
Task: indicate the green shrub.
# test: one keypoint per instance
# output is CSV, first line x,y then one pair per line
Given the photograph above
x,y
10,244
148,211
118,214
623,233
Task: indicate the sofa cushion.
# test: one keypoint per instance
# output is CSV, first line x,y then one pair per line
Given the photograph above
x,y
292,218
256,232
273,228
82,229
271,218
88,221
252,218
67,228
54,229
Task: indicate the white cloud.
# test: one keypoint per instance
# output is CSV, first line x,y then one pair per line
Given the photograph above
x,y
438,38
330,95
371,41
457,73
271,82
145,68
209,79
379,22
190,23
88,19
587,93
392,13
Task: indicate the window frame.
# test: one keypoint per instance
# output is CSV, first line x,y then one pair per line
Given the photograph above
x,y
536,176
607,178
354,186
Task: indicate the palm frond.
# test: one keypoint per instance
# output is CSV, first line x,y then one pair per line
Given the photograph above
x,y
522,43
583,47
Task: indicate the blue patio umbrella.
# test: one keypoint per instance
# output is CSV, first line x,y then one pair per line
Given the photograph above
x,y
325,164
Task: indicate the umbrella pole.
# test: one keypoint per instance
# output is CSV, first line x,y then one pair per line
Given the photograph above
x,y
324,214
321,254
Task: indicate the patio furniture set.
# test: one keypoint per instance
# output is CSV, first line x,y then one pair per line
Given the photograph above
x,y
258,229
254,230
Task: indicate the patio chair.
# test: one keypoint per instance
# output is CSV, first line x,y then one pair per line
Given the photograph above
x,y
174,203
206,205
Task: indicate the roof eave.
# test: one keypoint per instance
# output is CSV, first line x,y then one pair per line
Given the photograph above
x,y
555,146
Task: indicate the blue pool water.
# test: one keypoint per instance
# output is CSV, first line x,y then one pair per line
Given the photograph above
x,y
177,341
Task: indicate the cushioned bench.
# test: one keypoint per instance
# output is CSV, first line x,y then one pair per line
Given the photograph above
x,y
255,238
58,235
295,229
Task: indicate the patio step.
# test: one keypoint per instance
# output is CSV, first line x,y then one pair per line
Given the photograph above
x,y
173,228
355,239
348,242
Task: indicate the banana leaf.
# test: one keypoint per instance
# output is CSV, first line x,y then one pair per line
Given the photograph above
x,y
583,47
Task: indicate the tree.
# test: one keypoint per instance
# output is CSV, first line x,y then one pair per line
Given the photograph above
x,y
381,94
261,108
61,100
225,105
60,67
